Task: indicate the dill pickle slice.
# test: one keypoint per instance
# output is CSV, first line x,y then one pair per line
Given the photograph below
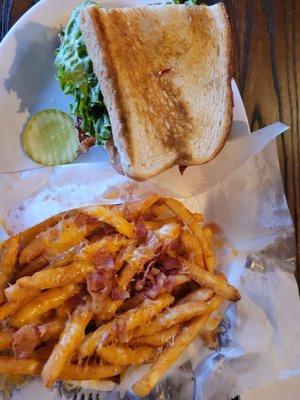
x,y
50,138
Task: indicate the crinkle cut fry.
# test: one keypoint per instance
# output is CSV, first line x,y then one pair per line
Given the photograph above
x,y
188,219
170,354
69,340
8,257
214,281
127,321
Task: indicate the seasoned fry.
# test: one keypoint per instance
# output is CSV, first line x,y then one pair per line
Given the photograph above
x,y
88,372
36,265
158,223
110,244
140,315
124,323
104,214
69,341
173,316
7,309
161,211
90,343
50,278
136,209
192,246
42,303
17,294
6,338
173,351
160,338
8,257
12,366
188,219
210,339
215,282
202,294
52,329
125,355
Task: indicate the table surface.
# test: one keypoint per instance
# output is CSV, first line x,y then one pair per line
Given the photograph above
x,y
267,71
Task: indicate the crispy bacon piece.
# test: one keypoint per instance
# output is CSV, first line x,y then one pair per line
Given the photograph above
x,y
25,340
105,230
100,282
170,263
73,302
141,231
118,293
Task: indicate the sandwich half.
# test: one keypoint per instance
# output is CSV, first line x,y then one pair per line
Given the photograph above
x,y
165,75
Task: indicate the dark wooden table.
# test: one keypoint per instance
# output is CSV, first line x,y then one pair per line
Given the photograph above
x,y
267,69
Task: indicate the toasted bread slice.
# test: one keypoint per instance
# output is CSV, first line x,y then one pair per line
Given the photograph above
x,y
165,75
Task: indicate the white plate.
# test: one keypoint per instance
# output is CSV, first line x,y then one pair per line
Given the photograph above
x,y
28,85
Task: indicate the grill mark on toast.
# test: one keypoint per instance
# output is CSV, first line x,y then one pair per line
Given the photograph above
x,y
104,39
163,108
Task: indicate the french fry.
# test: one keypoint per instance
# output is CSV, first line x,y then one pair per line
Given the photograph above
x,y
63,311
65,234
132,302
208,234
161,211
17,294
125,355
90,343
215,282
127,321
110,244
198,217
7,309
52,329
173,316
6,339
192,246
69,340
110,307
8,257
88,372
135,209
210,339
202,294
188,219
12,366
32,250
160,338
39,305
158,223
104,214
170,354
209,333
36,265
147,203
138,316
54,277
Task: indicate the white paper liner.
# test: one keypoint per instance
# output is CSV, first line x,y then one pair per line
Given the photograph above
x,y
261,342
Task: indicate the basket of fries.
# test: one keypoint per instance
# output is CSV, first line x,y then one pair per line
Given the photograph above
x,y
92,291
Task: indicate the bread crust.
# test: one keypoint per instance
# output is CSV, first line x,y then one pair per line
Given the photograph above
x,y
96,25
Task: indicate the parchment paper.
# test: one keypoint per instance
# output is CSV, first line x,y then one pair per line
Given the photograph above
x,y
260,338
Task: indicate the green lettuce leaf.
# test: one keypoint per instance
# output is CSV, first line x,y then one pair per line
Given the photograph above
x,y
74,71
